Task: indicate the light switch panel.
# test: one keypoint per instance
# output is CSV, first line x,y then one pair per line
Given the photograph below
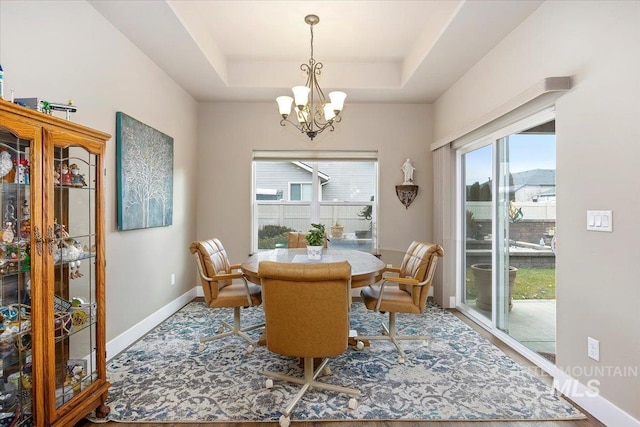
x,y
600,221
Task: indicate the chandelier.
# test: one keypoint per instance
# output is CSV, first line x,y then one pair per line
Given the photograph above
x,y
313,113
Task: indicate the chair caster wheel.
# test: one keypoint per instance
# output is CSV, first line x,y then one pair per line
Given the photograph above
x,y
201,348
284,421
359,345
326,371
250,349
220,329
425,343
353,403
401,360
268,383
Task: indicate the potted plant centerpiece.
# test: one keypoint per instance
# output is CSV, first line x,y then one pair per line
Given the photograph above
x,y
337,230
315,239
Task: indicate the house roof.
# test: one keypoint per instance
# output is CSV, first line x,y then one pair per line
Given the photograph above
x,y
323,176
535,177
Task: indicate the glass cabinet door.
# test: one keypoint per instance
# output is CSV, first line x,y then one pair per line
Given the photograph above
x,y
73,232
15,280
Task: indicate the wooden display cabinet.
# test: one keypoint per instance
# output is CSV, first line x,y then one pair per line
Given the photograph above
x,y
52,270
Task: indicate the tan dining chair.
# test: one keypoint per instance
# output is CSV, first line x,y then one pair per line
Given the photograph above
x,y
306,309
224,286
405,291
297,239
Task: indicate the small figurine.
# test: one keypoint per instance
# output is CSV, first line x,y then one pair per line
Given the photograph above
x,y
45,107
22,175
63,233
56,175
74,377
25,209
7,233
65,174
407,169
25,228
77,180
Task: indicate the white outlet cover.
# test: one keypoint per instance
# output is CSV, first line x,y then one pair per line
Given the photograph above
x,y
593,348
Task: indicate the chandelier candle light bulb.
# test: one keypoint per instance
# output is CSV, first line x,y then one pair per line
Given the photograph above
x,y
312,110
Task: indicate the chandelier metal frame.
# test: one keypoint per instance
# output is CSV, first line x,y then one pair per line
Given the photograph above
x,y
313,113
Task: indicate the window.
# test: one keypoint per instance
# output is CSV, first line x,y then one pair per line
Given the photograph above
x,y
300,191
315,187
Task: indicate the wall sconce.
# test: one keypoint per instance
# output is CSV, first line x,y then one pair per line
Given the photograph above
x,y
406,194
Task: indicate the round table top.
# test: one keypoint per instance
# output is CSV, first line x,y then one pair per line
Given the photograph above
x,y
366,269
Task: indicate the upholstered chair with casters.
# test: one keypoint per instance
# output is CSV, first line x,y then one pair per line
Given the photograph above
x,y
404,292
225,286
297,239
306,310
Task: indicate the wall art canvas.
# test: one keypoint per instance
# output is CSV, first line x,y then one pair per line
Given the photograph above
x,y
144,165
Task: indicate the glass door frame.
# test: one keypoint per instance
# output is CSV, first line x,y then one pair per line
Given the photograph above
x,y
498,138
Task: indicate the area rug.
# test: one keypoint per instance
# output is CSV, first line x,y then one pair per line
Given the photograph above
x,y
458,376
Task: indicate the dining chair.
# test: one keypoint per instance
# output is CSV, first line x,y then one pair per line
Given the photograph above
x,y
297,239
405,291
306,309
224,286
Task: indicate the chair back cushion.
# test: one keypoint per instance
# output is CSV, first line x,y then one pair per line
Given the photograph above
x,y
213,260
306,307
298,239
420,263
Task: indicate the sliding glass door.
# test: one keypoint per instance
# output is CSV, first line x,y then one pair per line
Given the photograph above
x,y
507,220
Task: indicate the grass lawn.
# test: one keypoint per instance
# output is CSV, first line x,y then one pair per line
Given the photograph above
x,y
531,283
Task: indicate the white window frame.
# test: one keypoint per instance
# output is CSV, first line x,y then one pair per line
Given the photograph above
x,y
311,158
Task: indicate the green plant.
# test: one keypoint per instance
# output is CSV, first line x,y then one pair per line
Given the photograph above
x,y
316,235
367,212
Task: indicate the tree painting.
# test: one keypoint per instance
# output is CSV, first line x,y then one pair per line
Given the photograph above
x,y
144,158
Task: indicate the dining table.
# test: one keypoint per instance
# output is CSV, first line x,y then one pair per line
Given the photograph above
x,y
366,268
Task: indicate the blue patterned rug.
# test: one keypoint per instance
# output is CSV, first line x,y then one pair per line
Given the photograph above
x,y
458,376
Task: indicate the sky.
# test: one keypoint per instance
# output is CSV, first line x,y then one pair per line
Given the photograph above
x,y
526,152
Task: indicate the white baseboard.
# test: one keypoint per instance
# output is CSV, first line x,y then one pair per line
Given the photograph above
x,y
590,400
131,335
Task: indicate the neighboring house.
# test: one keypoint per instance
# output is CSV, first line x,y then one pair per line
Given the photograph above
x,y
529,186
291,180
535,185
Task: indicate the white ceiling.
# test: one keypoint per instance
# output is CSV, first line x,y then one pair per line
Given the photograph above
x,y
375,51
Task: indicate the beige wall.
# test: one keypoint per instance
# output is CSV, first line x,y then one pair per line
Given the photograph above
x,y
66,50
598,147
60,50
228,132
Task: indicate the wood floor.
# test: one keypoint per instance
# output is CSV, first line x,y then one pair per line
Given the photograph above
x,y
589,422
